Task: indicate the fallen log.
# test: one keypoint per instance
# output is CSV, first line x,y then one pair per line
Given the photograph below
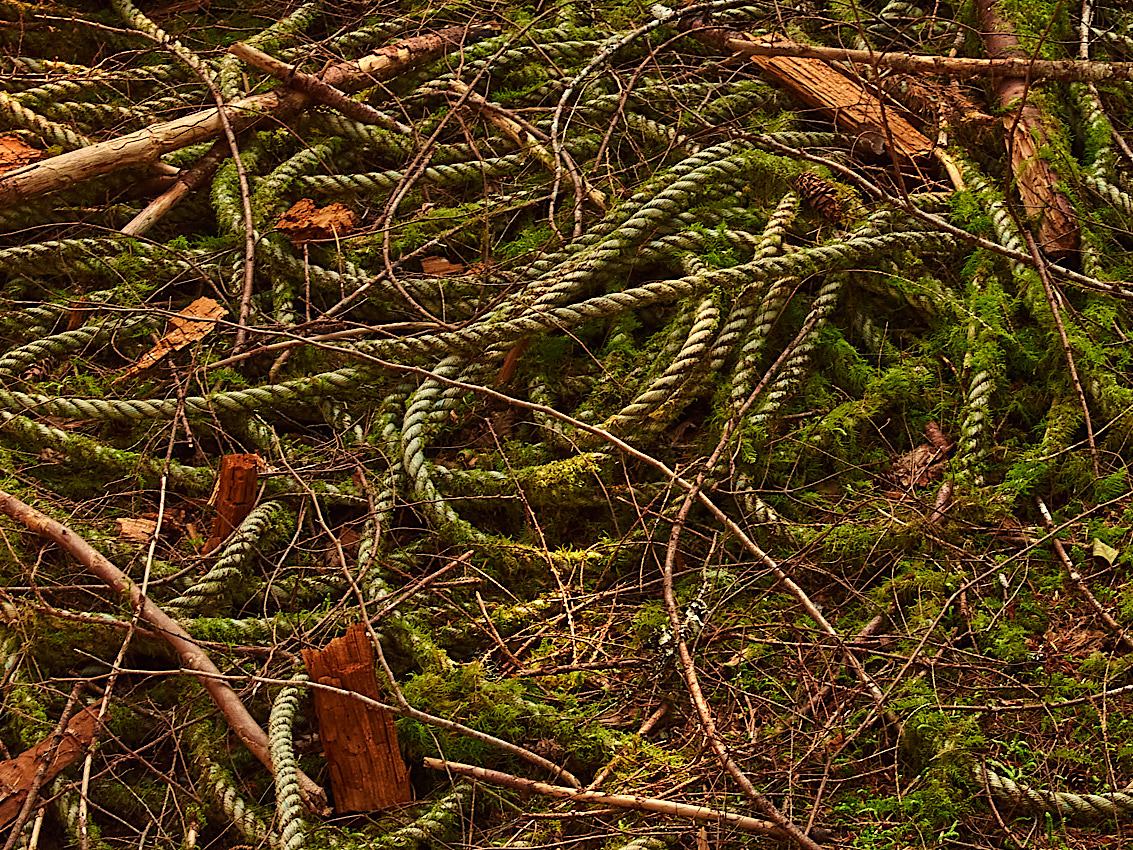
x,y
1065,70
853,108
146,145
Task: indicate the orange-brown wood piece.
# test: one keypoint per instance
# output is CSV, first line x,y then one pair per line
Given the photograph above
x,y
852,108
235,495
16,775
367,772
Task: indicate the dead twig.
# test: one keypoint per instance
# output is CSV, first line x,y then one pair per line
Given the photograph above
x,y
1079,582
321,91
195,659
619,801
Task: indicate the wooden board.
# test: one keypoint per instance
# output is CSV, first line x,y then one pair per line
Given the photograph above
x,y
367,772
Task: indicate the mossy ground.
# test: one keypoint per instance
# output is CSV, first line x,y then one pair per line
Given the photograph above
x,y
549,632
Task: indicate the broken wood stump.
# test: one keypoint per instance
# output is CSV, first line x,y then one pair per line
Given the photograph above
x,y
367,772
235,495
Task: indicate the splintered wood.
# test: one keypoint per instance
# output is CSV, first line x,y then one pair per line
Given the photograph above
x,y
367,772
852,108
191,325
235,495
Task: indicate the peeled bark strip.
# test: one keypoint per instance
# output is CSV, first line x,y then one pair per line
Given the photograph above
x,y
18,774
367,772
146,145
1058,234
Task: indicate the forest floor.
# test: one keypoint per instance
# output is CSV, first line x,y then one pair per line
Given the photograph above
x,y
717,449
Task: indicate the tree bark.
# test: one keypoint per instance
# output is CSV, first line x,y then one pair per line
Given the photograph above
x,y
1058,234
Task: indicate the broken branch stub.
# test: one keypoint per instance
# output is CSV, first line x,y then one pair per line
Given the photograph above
x,y
235,495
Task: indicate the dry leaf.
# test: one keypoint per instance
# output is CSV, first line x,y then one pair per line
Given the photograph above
x,y
305,222
190,325
15,154
702,839
1103,551
135,530
439,267
919,467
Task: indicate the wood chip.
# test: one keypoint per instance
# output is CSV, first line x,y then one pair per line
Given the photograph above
x,y
305,222
135,530
191,325
439,267
15,154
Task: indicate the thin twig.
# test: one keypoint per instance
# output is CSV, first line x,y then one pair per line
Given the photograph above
x,y
1079,582
197,662
633,802
1052,299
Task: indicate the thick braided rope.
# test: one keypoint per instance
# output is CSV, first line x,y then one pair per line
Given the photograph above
x,y
267,198
1109,193
48,348
48,130
452,175
1110,804
1102,158
984,355
235,402
479,337
678,371
201,737
288,803
483,335
83,452
135,18
237,810
423,406
64,254
230,567
744,306
230,77
433,827
794,370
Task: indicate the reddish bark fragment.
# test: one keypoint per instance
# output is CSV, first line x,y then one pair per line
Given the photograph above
x,y
367,772
235,495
